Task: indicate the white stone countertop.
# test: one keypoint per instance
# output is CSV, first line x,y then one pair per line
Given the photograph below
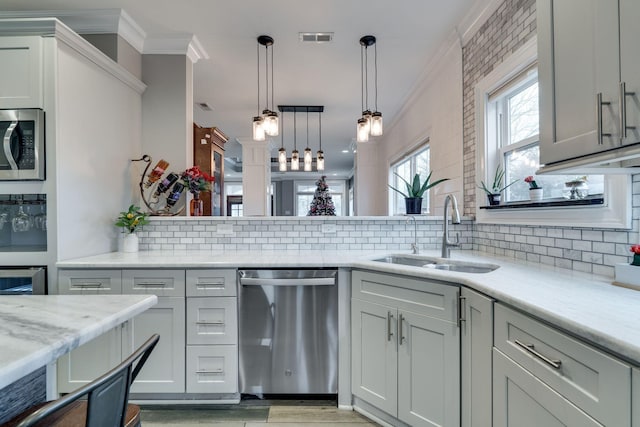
x,y
37,329
585,305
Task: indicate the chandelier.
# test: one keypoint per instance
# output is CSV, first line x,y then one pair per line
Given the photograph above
x,y
307,158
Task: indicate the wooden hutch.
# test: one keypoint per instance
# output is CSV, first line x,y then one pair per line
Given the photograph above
x,y
208,154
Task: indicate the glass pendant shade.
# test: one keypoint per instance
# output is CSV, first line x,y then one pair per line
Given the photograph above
x,y
308,159
320,161
258,129
271,124
282,159
376,124
295,160
362,134
366,114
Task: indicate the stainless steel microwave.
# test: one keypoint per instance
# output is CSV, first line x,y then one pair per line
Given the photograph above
x,y
22,151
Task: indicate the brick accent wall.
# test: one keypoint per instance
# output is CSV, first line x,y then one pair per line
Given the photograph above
x,y
510,26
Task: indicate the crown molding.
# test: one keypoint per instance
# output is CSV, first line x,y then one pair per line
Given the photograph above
x,y
91,21
477,15
175,44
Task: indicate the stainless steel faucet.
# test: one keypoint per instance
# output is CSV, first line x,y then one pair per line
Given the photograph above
x,y
414,245
455,219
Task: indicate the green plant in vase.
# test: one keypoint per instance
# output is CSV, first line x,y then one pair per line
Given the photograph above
x,y
415,191
494,192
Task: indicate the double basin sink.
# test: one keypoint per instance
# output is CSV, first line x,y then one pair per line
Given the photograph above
x,y
439,263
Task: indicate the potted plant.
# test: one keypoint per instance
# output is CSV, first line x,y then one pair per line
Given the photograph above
x,y
415,191
535,191
130,220
494,193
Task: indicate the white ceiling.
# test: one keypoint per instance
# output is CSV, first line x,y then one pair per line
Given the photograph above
x,y
408,34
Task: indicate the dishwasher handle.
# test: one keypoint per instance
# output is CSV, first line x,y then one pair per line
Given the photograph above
x,y
316,281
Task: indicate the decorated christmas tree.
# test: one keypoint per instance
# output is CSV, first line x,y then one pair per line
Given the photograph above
x,y
322,203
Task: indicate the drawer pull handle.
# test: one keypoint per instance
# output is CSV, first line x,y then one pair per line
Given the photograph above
x,y
152,284
462,309
531,349
623,110
389,331
215,371
210,284
210,323
400,333
88,285
599,104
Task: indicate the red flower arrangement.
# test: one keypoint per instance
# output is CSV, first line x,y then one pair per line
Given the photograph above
x,y
196,181
636,255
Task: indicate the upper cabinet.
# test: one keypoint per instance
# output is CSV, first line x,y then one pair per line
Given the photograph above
x,y
589,79
21,82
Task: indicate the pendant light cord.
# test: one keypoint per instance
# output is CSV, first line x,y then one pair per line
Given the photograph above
x,y
266,73
272,90
362,77
366,76
258,62
295,146
375,67
307,127
282,133
320,129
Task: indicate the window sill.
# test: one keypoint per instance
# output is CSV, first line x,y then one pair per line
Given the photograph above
x,y
550,203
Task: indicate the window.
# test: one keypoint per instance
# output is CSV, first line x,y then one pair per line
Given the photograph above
x,y
513,140
416,162
305,190
507,135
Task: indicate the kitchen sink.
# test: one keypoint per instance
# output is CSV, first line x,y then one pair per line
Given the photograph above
x,y
439,263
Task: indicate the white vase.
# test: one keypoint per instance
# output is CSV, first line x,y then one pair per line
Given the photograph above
x,y
535,194
130,242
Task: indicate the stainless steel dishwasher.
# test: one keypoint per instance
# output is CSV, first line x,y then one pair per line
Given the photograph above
x,y
288,331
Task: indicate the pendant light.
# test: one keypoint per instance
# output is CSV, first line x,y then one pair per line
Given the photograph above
x,y
282,153
266,123
320,154
295,159
370,123
308,157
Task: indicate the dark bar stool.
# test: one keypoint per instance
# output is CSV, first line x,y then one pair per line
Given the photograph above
x,y
106,404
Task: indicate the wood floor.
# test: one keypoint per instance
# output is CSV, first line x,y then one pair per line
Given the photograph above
x,y
283,414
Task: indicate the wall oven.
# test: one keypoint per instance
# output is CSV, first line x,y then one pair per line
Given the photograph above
x,y
23,280
22,145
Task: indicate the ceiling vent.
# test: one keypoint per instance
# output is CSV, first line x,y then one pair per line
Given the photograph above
x,y
204,106
316,37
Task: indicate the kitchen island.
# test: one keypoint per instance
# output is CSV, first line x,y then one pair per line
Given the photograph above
x,y
37,329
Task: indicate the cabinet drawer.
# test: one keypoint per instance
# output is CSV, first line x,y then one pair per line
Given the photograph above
x,y
212,369
597,383
211,283
212,320
424,296
89,282
163,283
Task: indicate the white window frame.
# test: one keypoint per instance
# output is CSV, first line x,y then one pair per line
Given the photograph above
x,y
411,154
616,211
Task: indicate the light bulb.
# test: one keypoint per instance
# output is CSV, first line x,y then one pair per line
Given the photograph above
x,y
320,160
308,159
282,159
376,124
271,124
258,129
362,135
295,160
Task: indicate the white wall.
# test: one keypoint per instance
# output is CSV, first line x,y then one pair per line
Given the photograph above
x,y
167,117
98,132
433,112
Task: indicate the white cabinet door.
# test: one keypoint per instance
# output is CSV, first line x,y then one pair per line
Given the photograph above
x,y
164,371
90,360
476,331
578,58
630,66
521,400
212,320
374,354
212,369
21,73
428,371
